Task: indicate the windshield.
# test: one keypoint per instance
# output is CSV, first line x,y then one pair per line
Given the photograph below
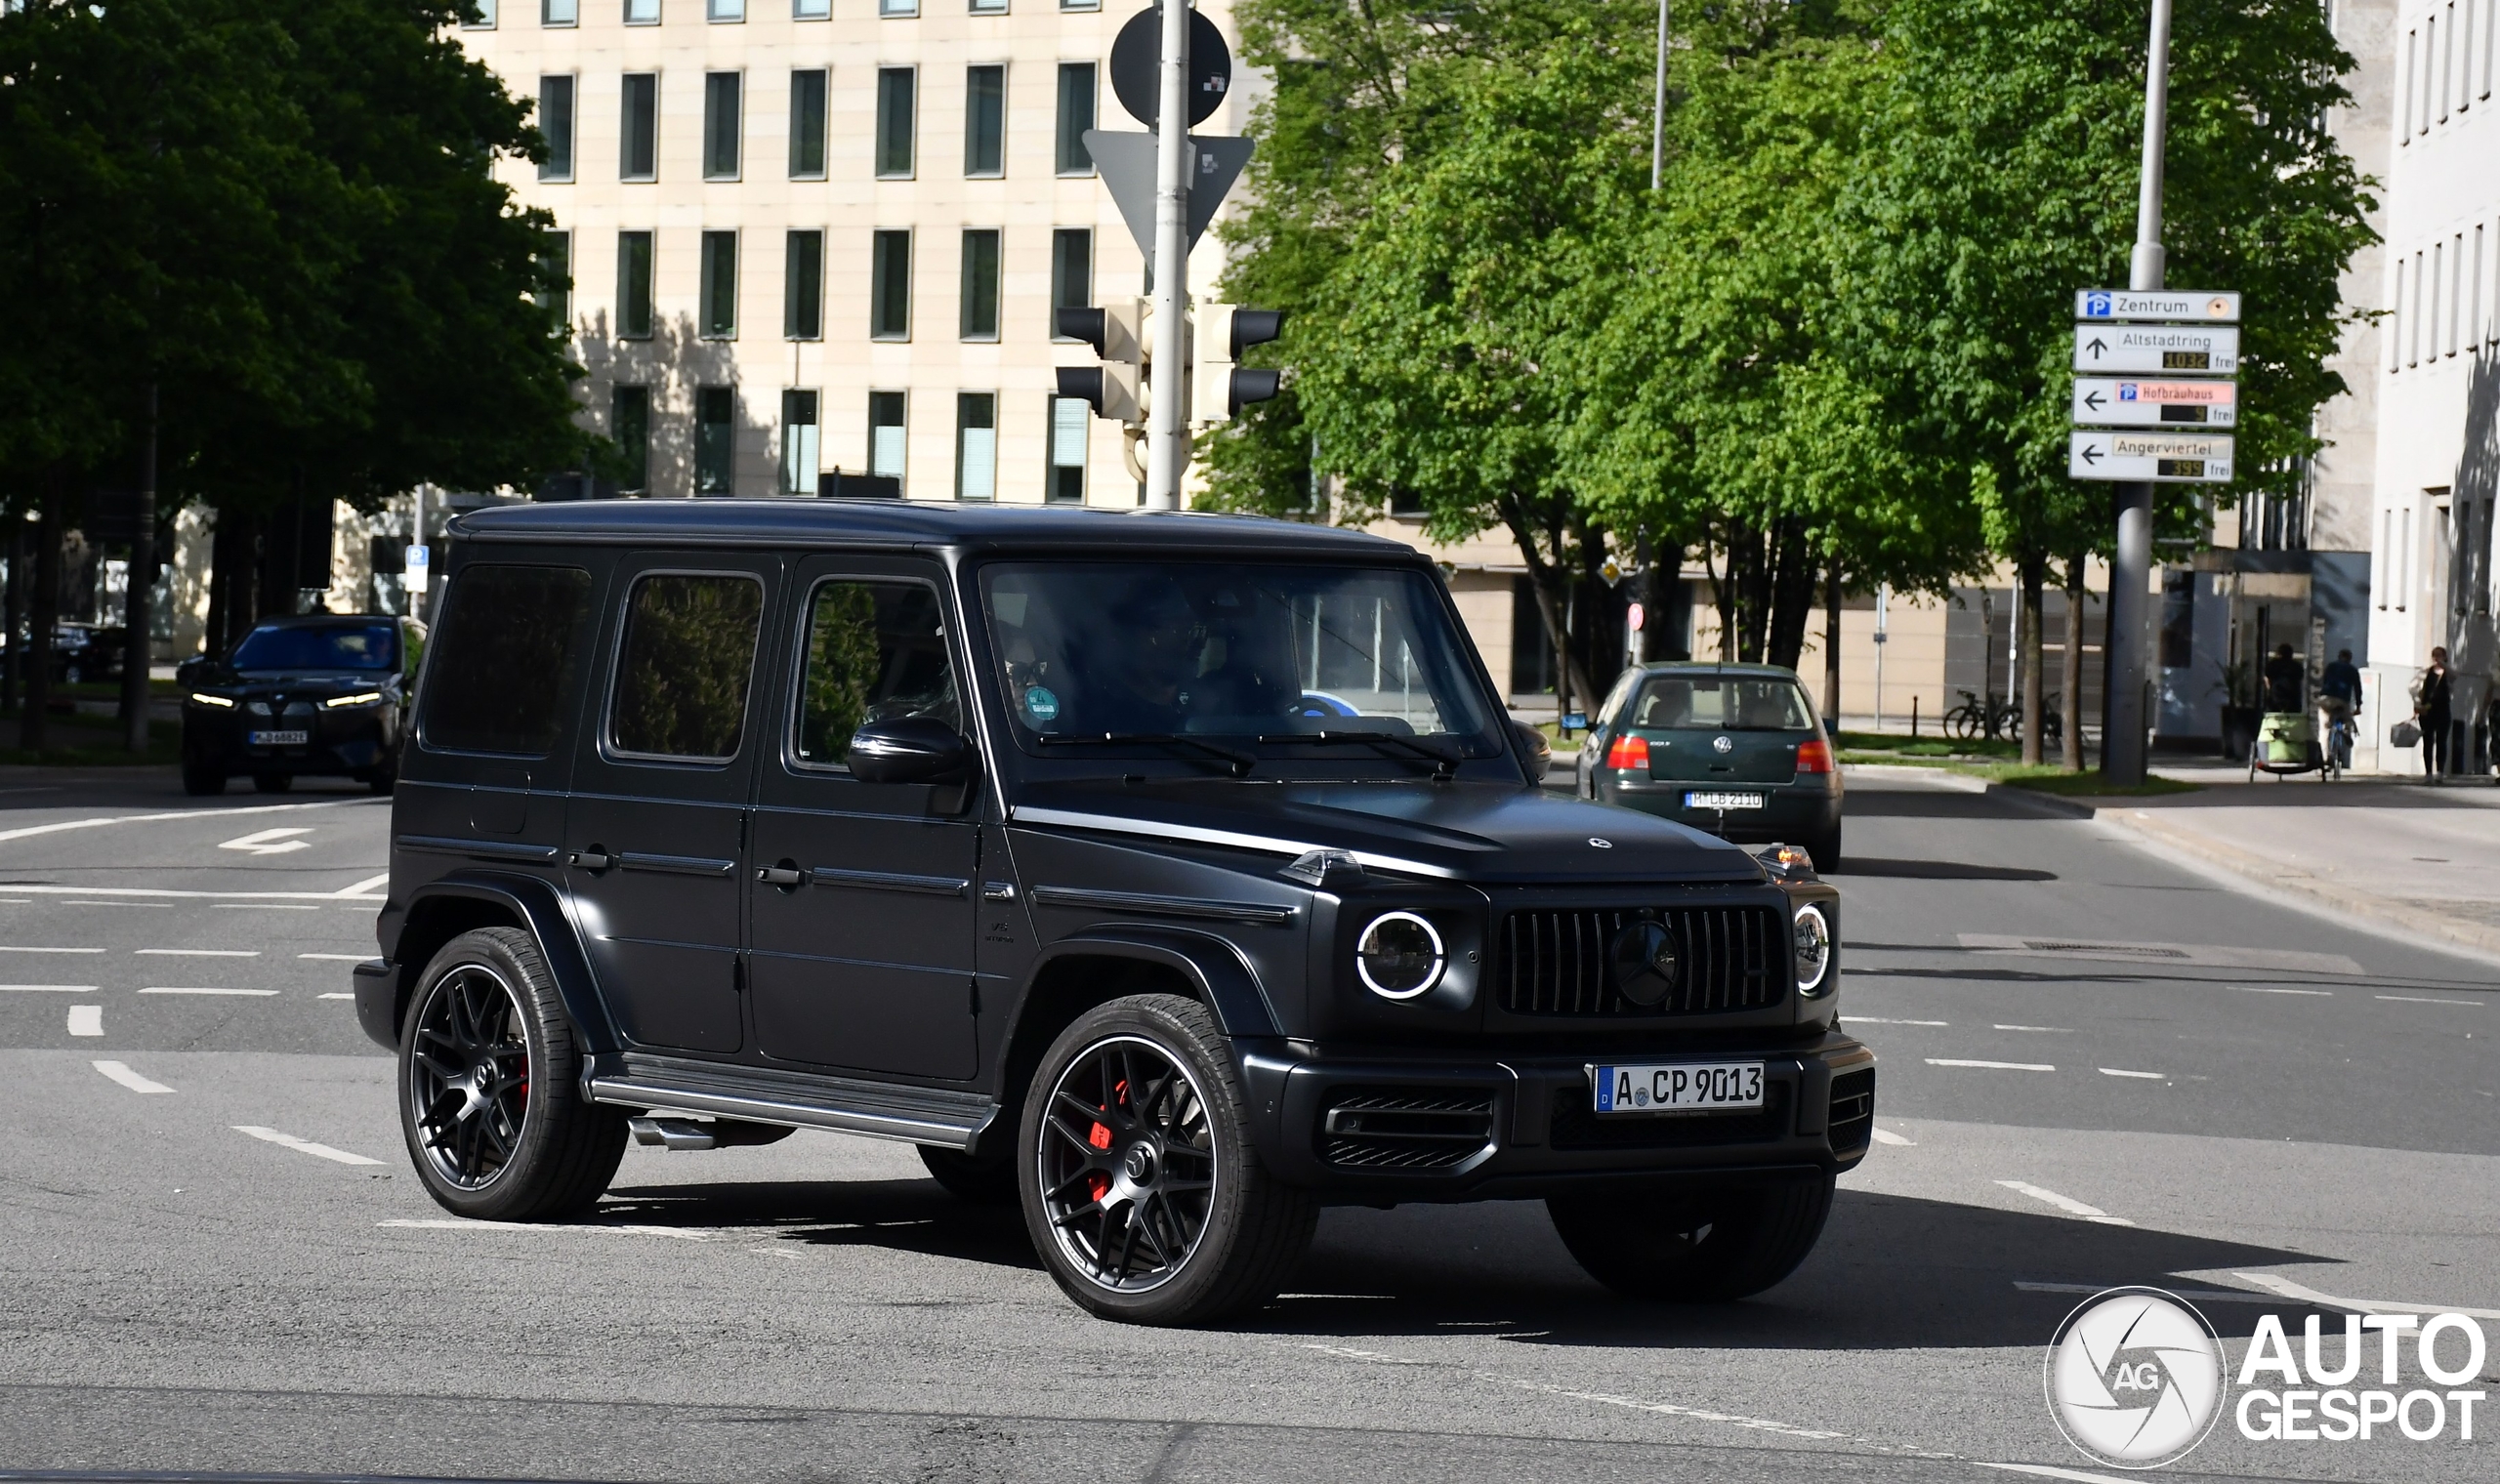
x,y
322,646
1233,651
1720,703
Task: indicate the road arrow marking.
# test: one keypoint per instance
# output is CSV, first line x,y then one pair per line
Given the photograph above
x,y
268,841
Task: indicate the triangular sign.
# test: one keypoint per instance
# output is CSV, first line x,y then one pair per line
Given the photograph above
x,y
1126,163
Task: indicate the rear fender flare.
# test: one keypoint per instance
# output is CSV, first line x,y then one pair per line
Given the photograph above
x,y
540,911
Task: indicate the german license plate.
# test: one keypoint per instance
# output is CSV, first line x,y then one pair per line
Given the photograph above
x,y
281,739
1700,799
1684,1087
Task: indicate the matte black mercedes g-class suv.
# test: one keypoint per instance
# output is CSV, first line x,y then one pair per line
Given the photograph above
x,y
1171,875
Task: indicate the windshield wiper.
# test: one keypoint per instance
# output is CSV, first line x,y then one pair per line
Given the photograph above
x,y
1445,765
1240,762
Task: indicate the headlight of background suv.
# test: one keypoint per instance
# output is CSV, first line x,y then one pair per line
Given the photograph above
x,y
361,698
1814,939
1399,956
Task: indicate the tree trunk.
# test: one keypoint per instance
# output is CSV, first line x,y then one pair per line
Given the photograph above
x,y
1660,602
2034,578
137,613
2070,672
1831,644
1722,595
12,666
1790,583
43,611
1545,579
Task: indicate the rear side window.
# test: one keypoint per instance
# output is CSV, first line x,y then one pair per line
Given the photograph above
x,y
1722,703
876,650
508,639
681,674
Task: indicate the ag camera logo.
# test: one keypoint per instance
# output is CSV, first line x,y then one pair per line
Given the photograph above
x,y
2135,1377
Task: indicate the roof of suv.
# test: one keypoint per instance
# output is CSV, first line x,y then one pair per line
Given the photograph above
x,y
908,522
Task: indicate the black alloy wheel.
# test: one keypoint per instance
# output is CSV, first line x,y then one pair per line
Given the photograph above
x,y
1703,1245
490,1097
1142,1190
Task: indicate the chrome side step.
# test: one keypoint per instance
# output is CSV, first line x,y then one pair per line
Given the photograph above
x,y
936,1116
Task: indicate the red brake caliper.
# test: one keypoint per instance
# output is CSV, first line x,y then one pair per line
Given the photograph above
x,y
1097,1184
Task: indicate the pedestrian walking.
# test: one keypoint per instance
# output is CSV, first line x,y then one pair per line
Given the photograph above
x,y
2431,713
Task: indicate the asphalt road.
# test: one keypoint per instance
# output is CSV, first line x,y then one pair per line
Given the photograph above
x,y
2099,1067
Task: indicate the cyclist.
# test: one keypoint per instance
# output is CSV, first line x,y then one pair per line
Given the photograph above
x,y
2339,700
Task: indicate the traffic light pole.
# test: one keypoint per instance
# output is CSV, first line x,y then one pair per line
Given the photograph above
x,y
1167,447
2122,730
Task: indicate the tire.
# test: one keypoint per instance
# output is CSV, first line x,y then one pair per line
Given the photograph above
x,y
272,783
1238,1233
201,781
974,1181
1708,1246
521,1149
1824,851
382,781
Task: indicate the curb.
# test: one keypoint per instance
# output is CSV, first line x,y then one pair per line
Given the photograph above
x,y
2351,900
2057,805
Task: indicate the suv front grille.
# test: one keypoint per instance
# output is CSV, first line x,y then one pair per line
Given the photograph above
x,y
1553,961
1853,1115
1574,1126
1407,1128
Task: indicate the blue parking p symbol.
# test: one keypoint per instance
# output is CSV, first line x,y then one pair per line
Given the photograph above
x,y
2095,306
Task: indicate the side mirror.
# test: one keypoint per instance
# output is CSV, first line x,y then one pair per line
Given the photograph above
x,y
909,750
195,671
1536,747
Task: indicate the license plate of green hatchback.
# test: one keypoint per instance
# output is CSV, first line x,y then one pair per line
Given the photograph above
x,y
1701,798
1685,1086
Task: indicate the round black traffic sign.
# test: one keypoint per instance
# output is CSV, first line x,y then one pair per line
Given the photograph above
x,y
1136,64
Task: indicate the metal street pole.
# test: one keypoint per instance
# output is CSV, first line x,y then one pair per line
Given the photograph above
x,y
1167,447
1658,104
2122,729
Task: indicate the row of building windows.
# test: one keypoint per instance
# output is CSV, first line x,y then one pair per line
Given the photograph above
x,y
486,15
893,148
801,471
2448,65
977,314
2445,297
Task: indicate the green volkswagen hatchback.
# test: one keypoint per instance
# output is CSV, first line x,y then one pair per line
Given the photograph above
x,y
1734,750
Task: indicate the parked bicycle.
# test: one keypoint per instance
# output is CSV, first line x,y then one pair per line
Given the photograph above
x,y
1992,718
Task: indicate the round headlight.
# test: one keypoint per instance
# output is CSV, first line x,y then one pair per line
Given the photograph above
x,y
1399,956
1814,949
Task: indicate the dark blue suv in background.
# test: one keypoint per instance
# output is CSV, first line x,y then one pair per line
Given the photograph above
x,y
323,694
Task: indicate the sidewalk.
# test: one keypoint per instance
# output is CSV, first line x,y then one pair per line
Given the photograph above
x,y
2425,859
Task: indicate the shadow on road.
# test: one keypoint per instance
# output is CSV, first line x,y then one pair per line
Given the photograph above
x,y
1935,869
1864,803
907,1215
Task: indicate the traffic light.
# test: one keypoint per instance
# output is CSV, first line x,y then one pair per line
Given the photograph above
x,y
1217,387
1116,388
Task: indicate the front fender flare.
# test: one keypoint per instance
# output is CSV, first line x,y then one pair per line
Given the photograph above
x,y
541,912
1214,967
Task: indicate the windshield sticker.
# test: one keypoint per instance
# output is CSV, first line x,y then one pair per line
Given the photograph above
x,y
1039,703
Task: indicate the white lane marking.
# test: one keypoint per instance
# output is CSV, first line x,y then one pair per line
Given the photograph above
x,y
1888,1136
265,907
335,995
2262,989
337,958
2290,1290
145,896
1872,1020
202,989
2192,1295
272,841
2419,999
199,953
50,950
29,830
1993,1066
2049,1471
2121,1072
366,885
302,1145
85,1019
120,1072
2066,1203
2052,1030
48,989
451,1224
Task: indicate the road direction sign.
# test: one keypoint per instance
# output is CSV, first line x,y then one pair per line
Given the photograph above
x,y
2117,402
2189,306
1137,66
1126,164
2164,457
2189,348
